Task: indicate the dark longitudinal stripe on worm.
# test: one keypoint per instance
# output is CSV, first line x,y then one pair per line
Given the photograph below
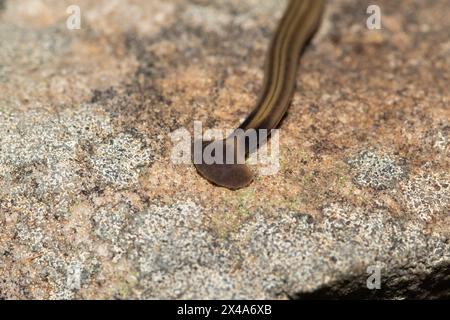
x,y
298,24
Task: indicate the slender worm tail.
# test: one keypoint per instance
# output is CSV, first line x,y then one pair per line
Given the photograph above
x,y
297,26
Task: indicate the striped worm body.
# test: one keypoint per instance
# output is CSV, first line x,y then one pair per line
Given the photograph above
x,y
298,24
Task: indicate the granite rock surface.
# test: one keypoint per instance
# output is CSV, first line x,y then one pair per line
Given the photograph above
x,y
92,205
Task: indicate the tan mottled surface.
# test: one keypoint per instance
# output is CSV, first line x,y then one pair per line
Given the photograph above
x,y
92,207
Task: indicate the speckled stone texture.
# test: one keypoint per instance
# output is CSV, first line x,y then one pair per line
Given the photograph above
x,y
91,205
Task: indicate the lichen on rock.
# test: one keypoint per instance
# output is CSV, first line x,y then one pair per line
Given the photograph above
x,y
375,170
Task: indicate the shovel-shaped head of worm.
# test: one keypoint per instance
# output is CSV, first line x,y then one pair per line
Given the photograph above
x,y
222,164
